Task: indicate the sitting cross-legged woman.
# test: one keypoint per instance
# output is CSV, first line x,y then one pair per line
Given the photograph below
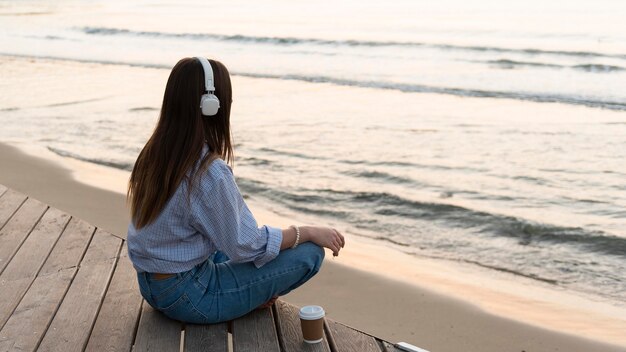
x,y
199,254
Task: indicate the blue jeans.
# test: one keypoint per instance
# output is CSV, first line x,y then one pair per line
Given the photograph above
x,y
219,290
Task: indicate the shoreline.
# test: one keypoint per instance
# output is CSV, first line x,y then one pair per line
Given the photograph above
x,y
422,301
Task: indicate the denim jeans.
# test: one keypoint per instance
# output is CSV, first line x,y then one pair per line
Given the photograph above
x,y
219,290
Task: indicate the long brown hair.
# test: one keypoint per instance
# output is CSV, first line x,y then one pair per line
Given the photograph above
x,y
175,147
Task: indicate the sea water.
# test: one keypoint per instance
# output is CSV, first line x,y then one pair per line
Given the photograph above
x,y
491,133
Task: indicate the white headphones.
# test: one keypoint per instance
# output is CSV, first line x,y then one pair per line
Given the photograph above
x,y
209,104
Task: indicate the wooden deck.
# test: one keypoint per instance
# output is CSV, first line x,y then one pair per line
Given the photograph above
x,y
66,285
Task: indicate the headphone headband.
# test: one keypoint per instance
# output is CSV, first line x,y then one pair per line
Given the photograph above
x,y
209,103
208,74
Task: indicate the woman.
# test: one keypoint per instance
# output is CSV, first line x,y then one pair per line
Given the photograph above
x,y
199,254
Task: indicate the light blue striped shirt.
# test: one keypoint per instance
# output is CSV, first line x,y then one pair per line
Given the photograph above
x,y
189,230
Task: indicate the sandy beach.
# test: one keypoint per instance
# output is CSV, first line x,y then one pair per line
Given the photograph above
x,y
435,305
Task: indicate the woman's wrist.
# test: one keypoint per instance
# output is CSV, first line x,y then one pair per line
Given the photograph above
x,y
297,241
305,233
290,236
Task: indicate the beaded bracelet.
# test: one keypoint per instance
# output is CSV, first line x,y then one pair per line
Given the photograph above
x,y
297,236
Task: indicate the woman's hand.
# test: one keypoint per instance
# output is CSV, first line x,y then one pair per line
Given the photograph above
x,y
324,237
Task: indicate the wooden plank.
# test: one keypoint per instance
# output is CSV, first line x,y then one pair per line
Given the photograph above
x,y
156,332
17,229
23,268
290,332
206,338
10,201
71,326
32,316
255,332
119,315
343,338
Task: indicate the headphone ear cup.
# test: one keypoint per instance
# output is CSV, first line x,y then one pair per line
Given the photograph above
x,y
209,104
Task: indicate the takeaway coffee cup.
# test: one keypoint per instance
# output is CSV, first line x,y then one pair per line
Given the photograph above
x,y
312,322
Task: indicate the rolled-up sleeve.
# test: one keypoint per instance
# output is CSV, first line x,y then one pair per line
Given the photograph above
x,y
219,211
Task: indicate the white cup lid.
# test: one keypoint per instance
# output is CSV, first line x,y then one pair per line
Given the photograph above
x,y
312,312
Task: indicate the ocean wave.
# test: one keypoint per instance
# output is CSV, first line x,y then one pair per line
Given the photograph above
x,y
599,68
143,108
594,68
463,92
109,163
512,271
349,205
288,153
347,42
76,102
88,61
506,63
526,232
531,179
255,161
26,13
402,87
412,164
382,176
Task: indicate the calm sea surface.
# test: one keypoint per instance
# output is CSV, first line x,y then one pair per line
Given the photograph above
x,y
490,132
